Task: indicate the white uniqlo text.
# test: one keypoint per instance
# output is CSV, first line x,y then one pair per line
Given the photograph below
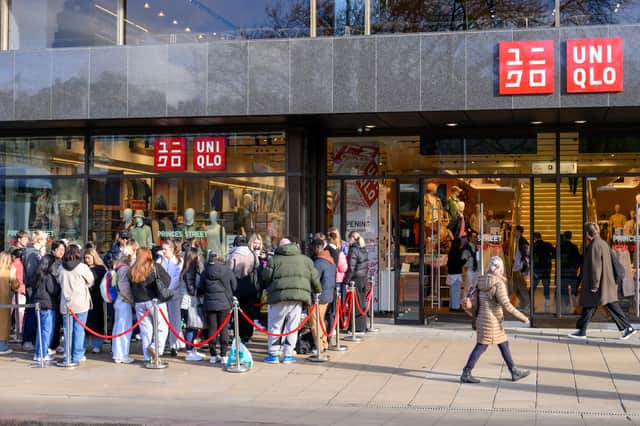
x,y
169,154
526,67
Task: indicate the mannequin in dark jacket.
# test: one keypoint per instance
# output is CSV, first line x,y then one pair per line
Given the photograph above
x,y
358,272
219,283
46,291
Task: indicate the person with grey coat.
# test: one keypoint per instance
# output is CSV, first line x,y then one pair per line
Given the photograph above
x,y
599,287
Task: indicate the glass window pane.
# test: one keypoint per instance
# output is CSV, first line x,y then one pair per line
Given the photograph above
x,y
340,17
409,288
599,152
243,153
62,155
38,24
153,210
392,16
170,21
589,12
50,205
471,155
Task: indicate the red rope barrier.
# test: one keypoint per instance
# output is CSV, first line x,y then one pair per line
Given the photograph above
x,y
333,326
204,342
102,336
264,331
364,312
348,300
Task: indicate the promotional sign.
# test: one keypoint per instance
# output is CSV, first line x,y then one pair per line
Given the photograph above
x,y
526,67
209,153
594,65
169,154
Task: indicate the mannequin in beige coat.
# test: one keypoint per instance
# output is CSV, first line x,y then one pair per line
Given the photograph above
x,y
492,299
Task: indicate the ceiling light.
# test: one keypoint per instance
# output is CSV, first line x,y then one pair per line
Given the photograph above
x,y
200,36
175,22
580,121
161,13
537,122
369,126
451,124
146,6
188,30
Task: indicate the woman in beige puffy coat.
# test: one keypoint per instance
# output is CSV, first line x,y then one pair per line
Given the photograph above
x,y
493,298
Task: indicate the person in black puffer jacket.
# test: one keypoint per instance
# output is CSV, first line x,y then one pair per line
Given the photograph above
x,y
358,272
219,283
46,291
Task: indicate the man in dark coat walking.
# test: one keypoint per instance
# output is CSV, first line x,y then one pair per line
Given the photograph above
x,y
599,285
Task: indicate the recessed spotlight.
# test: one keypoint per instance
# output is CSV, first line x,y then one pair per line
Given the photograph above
x,y
200,36
188,30
369,126
161,14
580,121
537,122
175,22
451,124
146,6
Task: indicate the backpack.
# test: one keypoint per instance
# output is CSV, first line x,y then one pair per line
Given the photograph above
x,y
109,286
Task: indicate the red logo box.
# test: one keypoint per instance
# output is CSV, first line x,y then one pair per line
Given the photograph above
x,y
209,153
526,67
169,154
594,65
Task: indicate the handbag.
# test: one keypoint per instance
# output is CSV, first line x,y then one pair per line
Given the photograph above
x,y
164,294
472,303
195,316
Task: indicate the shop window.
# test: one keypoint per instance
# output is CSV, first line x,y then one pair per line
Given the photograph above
x,y
51,205
340,17
39,24
452,154
588,12
63,155
170,21
208,211
598,152
219,153
408,16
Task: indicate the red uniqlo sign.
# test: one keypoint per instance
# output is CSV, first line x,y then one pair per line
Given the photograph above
x,y
169,154
526,67
594,65
209,153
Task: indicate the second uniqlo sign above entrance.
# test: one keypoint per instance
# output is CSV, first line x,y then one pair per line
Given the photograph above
x,y
594,65
526,67
209,153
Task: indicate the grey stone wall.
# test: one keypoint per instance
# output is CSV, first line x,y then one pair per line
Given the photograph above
x,y
415,72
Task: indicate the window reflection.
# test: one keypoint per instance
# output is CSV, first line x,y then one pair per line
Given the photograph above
x,y
62,155
392,16
340,17
185,21
38,24
599,12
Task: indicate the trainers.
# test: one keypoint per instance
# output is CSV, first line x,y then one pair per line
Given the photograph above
x,y
272,359
223,360
214,359
6,351
288,359
193,356
83,359
47,358
28,346
127,360
151,350
60,349
51,352
578,335
628,332
96,350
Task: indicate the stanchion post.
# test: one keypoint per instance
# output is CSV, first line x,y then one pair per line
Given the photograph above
x,y
67,338
41,363
318,357
337,346
353,337
237,367
372,328
156,364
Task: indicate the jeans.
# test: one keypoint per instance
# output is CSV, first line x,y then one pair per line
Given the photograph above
x,y
174,316
122,321
479,349
146,327
47,323
615,311
75,336
283,317
30,324
565,283
455,281
546,282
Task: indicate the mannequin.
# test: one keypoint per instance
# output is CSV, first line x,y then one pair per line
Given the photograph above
x,y
459,224
452,202
630,225
245,224
141,233
69,219
216,236
432,203
616,220
474,221
127,220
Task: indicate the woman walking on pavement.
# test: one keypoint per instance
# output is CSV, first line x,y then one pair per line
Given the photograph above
x,y
492,299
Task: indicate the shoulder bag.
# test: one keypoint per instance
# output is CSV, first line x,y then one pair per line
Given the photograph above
x,y
164,294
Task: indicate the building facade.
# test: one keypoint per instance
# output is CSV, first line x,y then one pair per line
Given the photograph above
x,y
203,120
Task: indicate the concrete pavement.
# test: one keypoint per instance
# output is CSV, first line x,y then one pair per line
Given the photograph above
x,y
402,375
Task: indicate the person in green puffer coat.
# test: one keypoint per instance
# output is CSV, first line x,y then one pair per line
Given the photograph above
x,y
291,279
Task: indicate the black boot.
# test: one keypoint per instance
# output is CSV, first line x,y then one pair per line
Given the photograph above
x,y
467,377
518,373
